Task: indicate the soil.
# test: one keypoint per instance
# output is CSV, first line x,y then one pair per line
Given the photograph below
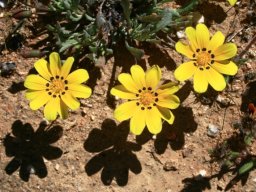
x,y
90,151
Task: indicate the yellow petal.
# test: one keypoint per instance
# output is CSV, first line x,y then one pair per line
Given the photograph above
x,y
216,41
153,76
168,85
138,122
55,63
153,121
202,36
166,114
41,66
125,111
228,69
128,82
78,76
168,90
225,52
121,92
184,50
51,109
80,91
232,2
39,101
200,81
215,79
66,67
63,110
168,101
191,34
185,71
138,76
30,94
70,101
35,82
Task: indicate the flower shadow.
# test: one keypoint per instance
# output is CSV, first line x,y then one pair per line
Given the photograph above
x,y
29,147
115,155
174,135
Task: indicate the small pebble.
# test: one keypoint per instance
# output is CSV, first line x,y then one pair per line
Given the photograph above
x,y
180,34
31,169
168,166
186,152
57,167
202,173
212,131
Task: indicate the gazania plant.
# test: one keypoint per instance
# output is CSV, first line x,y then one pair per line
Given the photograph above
x,y
209,59
55,87
147,100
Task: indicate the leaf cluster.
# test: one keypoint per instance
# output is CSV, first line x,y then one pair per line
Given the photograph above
x,y
94,27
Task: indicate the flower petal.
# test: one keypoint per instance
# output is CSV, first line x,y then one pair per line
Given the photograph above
x,y
215,79
78,76
125,111
225,52
168,101
66,67
30,94
51,109
168,89
217,40
121,92
228,69
138,76
35,82
232,2
138,122
39,101
70,101
184,50
191,34
168,85
200,81
63,110
185,71
55,63
80,91
153,121
41,66
202,36
128,82
166,114
153,76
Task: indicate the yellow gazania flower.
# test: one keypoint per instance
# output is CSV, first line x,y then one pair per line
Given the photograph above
x,y
148,101
55,87
209,59
232,2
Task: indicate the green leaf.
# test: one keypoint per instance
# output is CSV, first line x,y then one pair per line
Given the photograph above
x,y
126,5
167,18
246,167
233,154
137,53
67,44
248,139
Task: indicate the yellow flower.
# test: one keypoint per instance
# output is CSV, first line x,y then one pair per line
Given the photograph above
x,y
148,101
232,2
209,59
55,87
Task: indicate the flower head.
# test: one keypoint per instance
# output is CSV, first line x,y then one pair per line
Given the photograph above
x,y
55,88
209,59
232,2
148,102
